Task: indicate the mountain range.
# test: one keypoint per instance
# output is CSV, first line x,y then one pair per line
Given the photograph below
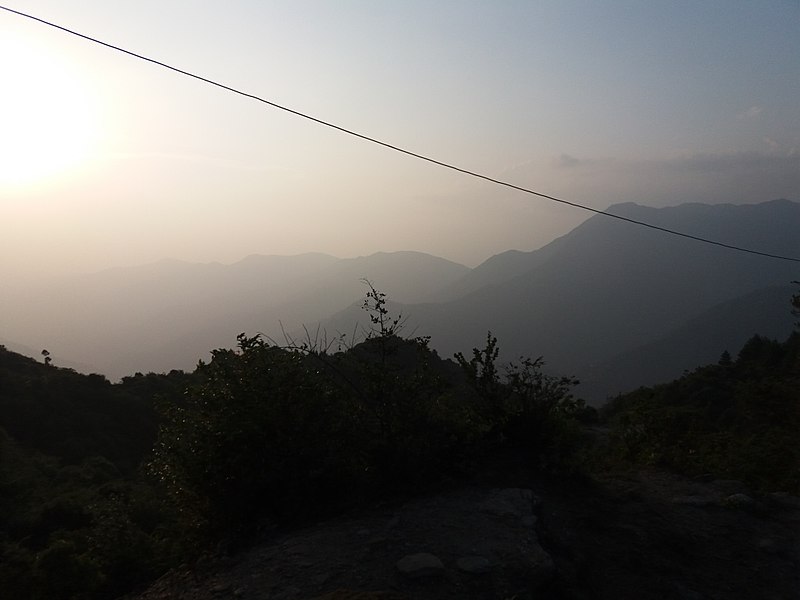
x,y
616,304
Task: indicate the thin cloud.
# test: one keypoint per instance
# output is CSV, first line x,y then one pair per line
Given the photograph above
x,y
751,113
199,159
772,144
733,162
567,161
739,177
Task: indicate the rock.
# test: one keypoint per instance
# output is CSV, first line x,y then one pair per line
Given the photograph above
x,y
529,521
784,500
476,565
358,595
419,565
286,593
221,588
739,501
541,567
697,500
684,593
393,522
296,546
511,502
729,486
768,545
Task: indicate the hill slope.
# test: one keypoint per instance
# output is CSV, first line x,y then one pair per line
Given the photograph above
x,y
170,314
609,287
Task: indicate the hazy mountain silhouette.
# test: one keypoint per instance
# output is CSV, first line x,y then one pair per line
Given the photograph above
x,y
497,269
699,341
616,304
169,314
609,287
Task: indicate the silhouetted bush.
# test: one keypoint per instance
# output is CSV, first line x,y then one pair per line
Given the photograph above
x,y
290,433
535,412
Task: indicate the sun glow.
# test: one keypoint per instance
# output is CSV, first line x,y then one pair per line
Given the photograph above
x,y
47,123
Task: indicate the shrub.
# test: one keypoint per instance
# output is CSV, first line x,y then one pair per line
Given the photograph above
x,y
532,410
292,432
262,434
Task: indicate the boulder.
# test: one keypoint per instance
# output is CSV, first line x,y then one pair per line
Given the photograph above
x,y
475,565
420,565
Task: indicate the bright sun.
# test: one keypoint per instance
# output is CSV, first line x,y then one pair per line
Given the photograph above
x,y
47,125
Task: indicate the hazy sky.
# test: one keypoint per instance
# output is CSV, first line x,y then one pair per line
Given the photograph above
x,y
107,160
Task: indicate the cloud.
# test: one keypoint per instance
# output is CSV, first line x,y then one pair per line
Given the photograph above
x,y
772,144
567,161
751,113
199,159
738,177
736,162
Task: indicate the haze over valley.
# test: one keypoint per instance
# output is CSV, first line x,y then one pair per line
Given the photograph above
x,y
614,304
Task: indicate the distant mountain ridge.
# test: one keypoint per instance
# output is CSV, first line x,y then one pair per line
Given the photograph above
x,y
170,314
700,340
609,287
605,291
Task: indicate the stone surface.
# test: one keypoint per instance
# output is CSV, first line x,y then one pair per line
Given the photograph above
x,y
623,537
477,565
529,521
511,502
729,486
739,501
700,501
422,564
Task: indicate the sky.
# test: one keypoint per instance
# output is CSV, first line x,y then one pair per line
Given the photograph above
x,y
106,160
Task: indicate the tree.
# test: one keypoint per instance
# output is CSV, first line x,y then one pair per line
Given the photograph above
x,y
47,359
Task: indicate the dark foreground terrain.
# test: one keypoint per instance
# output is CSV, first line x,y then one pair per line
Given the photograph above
x,y
633,535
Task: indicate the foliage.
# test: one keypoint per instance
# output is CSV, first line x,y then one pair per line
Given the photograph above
x,y
62,413
76,520
288,433
78,531
482,373
736,419
262,434
292,432
105,486
534,411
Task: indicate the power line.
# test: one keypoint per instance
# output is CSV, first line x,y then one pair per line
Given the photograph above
x,y
397,148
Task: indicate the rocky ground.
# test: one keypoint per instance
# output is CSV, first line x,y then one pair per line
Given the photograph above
x,y
654,535
508,535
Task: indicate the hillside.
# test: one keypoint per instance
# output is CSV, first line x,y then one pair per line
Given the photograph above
x,y
700,340
385,467
737,418
615,304
608,287
170,314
